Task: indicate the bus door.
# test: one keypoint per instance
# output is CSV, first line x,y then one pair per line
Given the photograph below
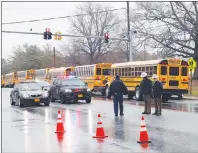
x,y
184,75
174,73
163,67
97,76
15,79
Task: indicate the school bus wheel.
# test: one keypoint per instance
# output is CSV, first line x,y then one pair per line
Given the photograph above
x,y
130,95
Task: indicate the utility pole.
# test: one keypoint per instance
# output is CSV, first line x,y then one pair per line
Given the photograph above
x,y
129,35
54,57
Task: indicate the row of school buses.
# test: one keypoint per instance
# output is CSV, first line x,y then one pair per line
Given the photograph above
x,y
172,72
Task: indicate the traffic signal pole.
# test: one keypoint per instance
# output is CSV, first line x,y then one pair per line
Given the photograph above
x,y
66,35
128,43
54,57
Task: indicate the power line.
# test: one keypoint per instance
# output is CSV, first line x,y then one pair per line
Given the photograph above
x,y
61,17
66,35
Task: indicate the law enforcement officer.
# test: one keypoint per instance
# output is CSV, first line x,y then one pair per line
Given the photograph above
x,y
146,91
117,89
157,94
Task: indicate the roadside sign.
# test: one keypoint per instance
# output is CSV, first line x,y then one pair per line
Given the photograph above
x,y
192,64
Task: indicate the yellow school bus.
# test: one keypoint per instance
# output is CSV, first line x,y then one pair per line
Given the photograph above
x,y
56,72
96,76
3,81
26,75
30,74
173,73
41,74
11,79
22,75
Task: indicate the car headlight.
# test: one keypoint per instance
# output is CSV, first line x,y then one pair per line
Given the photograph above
x,y
88,90
68,90
45,94
25,95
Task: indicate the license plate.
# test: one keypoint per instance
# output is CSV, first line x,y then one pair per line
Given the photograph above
x,y
80,95
37,100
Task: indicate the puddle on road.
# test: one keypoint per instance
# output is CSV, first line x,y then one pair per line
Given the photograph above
x,y
187,107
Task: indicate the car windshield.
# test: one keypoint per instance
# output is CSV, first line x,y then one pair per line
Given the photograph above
x,y
72,82
43,83
29,87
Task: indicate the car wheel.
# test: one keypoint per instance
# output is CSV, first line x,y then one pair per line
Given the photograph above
x,y
180,96
138,96
11,101
52,98
20,102
62,99
47,103
88,101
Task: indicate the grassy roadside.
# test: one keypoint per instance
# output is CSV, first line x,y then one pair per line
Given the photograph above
x,y
195,88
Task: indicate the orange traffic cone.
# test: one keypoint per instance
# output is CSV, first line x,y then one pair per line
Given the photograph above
x,y
100,130
59,125
143,133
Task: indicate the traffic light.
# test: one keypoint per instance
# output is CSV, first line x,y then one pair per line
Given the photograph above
x,y
106,37
47,34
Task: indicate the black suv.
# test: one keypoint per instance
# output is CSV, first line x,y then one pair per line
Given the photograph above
x,y
69,90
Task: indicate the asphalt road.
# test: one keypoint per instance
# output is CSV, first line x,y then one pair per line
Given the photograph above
x,y
32,129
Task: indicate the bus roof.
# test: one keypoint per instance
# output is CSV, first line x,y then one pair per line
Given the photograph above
x,y
136,63
93,65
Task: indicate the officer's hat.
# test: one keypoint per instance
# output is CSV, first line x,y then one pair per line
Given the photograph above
x,y
143,75
154,76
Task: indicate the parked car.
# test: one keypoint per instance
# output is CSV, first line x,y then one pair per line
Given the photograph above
x,y
69,90
28,93
44,85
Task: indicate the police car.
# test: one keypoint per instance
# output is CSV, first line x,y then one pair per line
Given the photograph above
x,y
69,89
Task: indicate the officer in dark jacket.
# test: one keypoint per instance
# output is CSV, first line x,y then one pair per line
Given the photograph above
x,y
117,89
146,91
157,94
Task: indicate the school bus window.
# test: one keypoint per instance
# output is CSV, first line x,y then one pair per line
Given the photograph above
x,y
106,72
139,68
116,71
126,71
129,71
184,71
174,71
98,71
122,71
163,70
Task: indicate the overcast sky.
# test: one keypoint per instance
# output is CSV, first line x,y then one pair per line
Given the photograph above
x,y
20,11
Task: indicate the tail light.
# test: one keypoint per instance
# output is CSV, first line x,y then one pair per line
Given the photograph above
x,y
163,79
76,90
185,80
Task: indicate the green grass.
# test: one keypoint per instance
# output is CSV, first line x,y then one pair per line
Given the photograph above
x,y
195,90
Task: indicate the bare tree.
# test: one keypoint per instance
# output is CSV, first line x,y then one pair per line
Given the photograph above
x,y
173,27
97,24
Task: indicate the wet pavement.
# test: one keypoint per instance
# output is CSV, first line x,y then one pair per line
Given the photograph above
x,y
32,129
